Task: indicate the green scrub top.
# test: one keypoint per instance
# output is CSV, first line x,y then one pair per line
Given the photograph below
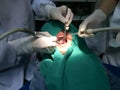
x,y
77,69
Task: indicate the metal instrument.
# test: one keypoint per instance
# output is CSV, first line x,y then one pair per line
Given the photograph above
x,y
65,27
103,29
89,31
31,32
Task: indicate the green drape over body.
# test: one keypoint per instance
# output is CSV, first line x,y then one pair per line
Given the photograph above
x,y
77,69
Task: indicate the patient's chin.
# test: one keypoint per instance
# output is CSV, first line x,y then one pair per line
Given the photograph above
x,y
63,42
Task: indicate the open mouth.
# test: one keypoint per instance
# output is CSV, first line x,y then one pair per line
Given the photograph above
x,y
63,42
61,39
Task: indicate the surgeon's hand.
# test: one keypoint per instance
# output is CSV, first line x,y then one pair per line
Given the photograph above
x,y
92,21
118,36
59,13
31,44
115,42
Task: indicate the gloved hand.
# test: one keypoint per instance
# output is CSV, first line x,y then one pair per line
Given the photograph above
x,y
59,13
31,44
118,36
92,21
115,42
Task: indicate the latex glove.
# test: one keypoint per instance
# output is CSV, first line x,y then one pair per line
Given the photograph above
x,y
115,42
92,21
31,44
59,13
118,36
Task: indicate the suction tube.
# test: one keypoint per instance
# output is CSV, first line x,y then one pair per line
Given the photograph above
x,y
16,30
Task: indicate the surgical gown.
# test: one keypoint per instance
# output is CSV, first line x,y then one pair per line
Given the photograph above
x,y
17,14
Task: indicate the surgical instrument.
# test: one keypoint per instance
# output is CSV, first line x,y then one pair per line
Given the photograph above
x,y
65,27
31,32
90,31
16,30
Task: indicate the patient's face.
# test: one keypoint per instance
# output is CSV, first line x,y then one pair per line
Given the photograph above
x,y
63,43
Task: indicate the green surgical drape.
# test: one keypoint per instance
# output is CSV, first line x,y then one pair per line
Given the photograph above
x,y
77,69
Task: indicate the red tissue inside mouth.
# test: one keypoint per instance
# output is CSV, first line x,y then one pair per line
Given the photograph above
x,y
60,38
63,43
